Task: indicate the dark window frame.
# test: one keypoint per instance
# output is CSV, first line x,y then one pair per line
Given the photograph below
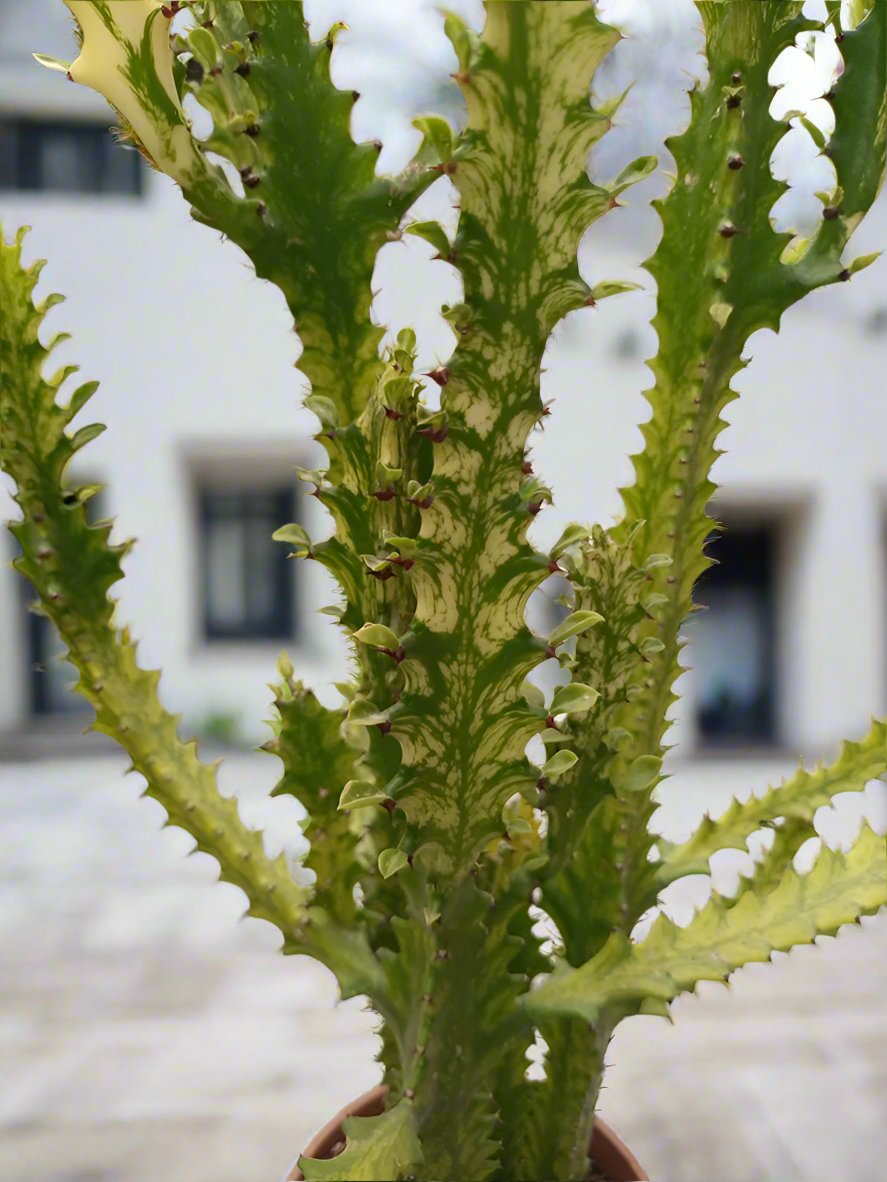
x,y
761,538
281,623
48,696
22,141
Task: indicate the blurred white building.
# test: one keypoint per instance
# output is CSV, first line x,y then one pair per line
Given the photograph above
x,y
198,389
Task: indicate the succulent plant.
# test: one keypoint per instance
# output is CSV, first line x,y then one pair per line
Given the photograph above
x,y
478,900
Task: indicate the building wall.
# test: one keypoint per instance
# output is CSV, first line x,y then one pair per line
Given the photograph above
x,y
196,361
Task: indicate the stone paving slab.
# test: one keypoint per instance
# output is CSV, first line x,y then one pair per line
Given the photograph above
x,y
145,1035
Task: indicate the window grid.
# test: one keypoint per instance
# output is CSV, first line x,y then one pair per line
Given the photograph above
x,y
246,578
733,641
59,156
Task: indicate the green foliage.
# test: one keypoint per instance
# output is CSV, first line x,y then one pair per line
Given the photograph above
x,y
794,802
432,837
722,937
383,1146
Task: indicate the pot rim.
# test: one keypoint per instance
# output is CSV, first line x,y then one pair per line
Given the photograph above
x,y
609,1151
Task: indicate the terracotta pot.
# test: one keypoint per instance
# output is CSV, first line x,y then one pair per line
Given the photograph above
x,y
608,1152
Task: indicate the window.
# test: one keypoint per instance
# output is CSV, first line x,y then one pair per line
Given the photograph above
x,y
51,679
247,579
66,157
732,641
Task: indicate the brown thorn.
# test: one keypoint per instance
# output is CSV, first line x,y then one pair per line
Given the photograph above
x,y
441,374
435,434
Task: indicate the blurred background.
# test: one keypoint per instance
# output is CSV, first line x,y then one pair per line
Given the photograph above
x,y
144,1034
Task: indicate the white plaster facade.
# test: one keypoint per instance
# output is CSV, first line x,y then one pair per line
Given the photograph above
x,y
196,361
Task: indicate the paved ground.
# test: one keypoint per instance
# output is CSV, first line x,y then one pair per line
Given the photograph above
x,y
146,1036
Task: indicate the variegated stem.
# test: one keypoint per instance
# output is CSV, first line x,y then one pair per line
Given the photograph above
x,y
256,71
254,68
260,76
552,1140
721,275
462,721
605,581
313,213
725,292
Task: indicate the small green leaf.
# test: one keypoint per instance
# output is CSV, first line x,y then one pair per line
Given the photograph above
x,y
720,312
815,133
324,408
574,698
657,560
637,171
357,794
432,232
406,340
864,260
296,536
657,599
642,773
407,547
87,491
383,1146
552,735
460,39
376,636
615,735
391,861
386,475
80,397
456,314
52,63
651,644
518,825
86,435
611,287
559,764
438,134
362,712
311,475
575,624
533,695
419,492
204,47
374,563
573,534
